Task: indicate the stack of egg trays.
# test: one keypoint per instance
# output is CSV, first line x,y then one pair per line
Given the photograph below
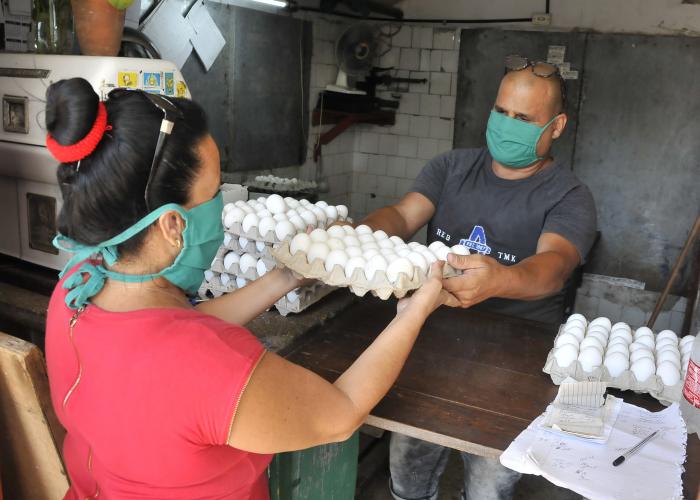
x,y
625,381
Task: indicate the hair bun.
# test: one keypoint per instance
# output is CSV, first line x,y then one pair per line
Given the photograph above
x,y
71,110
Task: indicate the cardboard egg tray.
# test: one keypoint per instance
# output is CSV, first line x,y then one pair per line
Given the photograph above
x,y
250,248
379,285
625,381
308,296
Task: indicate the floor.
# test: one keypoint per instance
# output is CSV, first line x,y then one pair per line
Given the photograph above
x,y
528,488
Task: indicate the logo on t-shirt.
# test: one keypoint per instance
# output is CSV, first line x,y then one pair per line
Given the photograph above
x,y
477,241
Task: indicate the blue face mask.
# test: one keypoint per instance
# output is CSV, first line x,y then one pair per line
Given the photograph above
x,y
512,142
201,239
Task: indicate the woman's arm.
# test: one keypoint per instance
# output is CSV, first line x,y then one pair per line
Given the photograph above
x,y
243,305
287,407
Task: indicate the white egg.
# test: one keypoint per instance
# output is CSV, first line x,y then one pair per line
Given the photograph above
x,y
300,243
349,230
353,251
365,238
616,363
688,339
397,267
602,340
396,241
264,213
598,328
243,242
459,250
304,202
293,296
363,229
261,199
388,254
308,217
403,252
209,275
233,216
669,373
647,341
375,264
336,258
370,246
228,206
291,213
643,331
670,357
241,282
336,232
319,213
667,334
619,348
566,338
260,246
623,334
266,225
321,204
354,262
435,245
402,246
335,244
442,253
414,245
261,268
635,346
240,203
318,234
602,321
291,202
284,230
331,213
590,359
643,369
247,262
565,355
661,343
429,257
249,222
593,343
575,330
317,250
620,326
299,224
350,241
225,279
418,261
640,354
380,235
342,212
227,239
687,348
280,217
276,204
248,209
577,317
618,340
385,244
369,253
230,259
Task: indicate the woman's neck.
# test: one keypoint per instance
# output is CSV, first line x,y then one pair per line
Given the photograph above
x,y
120,296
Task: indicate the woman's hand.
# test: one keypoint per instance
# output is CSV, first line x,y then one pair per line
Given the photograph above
x,y
429,296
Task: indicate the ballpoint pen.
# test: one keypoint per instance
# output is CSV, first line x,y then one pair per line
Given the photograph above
x,y
634,449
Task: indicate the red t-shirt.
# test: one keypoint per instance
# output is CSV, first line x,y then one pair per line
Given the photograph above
x,y
147,398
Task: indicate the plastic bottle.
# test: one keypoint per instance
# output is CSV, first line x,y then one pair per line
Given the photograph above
x,y
690,400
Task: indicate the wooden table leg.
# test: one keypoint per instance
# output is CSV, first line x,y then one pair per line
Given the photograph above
x,y
327,471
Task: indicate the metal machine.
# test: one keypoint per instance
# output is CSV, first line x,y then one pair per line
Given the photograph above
x,y
30,198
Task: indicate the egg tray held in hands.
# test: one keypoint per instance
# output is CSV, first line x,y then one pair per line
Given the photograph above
x,y
253,234
235,270
251,248
625,381
308,296
379,285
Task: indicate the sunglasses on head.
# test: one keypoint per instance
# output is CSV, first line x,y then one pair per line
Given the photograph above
x,y
539,68
170,114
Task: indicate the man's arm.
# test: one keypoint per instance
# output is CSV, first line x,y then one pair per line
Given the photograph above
x,y
404,218
536,277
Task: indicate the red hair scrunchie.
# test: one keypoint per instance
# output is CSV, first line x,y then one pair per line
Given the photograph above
x,y
85,146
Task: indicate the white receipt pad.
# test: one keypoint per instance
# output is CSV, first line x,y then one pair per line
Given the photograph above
x,y
585,467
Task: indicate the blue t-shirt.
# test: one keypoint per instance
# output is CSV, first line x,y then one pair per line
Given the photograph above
x,y
504,218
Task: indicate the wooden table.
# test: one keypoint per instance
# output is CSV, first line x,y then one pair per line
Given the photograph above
x,y
473,381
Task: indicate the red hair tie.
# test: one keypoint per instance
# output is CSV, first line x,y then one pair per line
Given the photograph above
x,y
85,146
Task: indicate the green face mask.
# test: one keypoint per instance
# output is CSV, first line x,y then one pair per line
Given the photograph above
x,y
512,142
201,239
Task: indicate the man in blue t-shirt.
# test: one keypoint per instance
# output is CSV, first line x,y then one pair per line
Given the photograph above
x,y
528,222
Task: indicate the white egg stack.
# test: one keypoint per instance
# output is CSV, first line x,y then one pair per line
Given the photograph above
x,y
637,360
363,260
251,229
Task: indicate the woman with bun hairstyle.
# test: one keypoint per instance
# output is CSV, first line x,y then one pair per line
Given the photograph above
x,y
162,399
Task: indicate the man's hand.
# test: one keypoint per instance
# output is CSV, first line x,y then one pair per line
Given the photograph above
x,y
483,278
